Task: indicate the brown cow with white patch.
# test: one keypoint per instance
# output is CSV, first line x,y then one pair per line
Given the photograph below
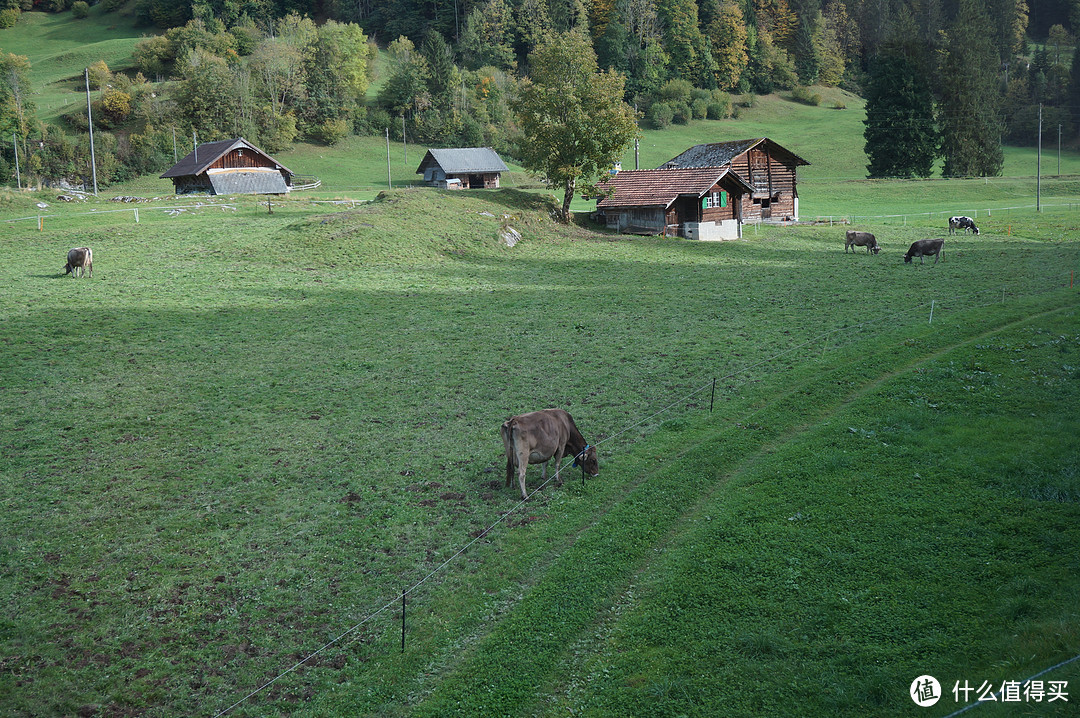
x,y
538,436
80,260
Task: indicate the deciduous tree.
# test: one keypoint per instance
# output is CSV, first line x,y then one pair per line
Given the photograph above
x,y
574,123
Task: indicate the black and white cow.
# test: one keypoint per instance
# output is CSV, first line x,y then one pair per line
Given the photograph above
x,y
964,223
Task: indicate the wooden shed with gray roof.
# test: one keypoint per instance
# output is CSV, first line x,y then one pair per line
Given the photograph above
x,y
462,168
229,167
769,169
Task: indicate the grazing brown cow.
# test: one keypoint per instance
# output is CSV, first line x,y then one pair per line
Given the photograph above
x,y
80,260
924,248
861,239
538,436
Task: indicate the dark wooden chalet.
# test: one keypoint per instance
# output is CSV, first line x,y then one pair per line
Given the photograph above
x,y
699,203
462,168
229,167
768,168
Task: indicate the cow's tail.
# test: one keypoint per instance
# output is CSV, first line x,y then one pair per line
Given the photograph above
x,y
509,432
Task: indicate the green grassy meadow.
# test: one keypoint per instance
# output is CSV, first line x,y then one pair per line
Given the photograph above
x,y
241,440
225,456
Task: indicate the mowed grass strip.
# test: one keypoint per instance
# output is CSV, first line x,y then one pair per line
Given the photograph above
x,y
554,620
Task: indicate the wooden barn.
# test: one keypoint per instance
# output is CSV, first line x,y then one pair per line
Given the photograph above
x,y
462,168
769,169
229,167
699,203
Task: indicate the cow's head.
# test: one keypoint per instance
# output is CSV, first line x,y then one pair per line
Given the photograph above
x,y
587,459
875,249
907,259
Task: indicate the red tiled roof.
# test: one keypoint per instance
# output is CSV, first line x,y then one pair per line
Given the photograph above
x,y
659,188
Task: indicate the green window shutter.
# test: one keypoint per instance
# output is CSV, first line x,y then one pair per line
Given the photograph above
x,y
704,202
723,198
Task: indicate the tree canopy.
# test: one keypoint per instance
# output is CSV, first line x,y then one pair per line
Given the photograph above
x,y
574,122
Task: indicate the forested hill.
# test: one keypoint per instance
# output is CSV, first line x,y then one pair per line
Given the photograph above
x,y
444,71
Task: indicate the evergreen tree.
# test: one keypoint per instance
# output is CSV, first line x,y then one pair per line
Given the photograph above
x,y
969,100
1073,97
486,37
901,138
683,39
445,77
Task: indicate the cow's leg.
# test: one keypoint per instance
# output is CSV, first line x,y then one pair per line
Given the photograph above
x,y
558,464
509,468
522,466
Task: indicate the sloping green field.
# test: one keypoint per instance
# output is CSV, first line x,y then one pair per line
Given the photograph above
x,y
229,452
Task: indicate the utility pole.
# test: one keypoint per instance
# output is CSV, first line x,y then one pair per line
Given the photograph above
x,y
389,182
90,122
18,177
174,145
403,142
1038,167
1059,149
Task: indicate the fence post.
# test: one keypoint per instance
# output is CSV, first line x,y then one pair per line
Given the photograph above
x,y
712,395
40,223
136,211
403,621
931,312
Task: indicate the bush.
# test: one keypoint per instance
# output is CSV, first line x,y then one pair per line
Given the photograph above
x,y
331,132
748,100
675,91
80,9
805,96
8,18
840,106
660,115
680,113
700,109
375,122
116,105
720,105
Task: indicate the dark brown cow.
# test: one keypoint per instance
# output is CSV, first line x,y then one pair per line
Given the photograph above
x,y
538,436
924,248
80,260
861,239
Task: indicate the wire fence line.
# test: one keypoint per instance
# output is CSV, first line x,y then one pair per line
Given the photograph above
x,y
173,211
910,313
973,213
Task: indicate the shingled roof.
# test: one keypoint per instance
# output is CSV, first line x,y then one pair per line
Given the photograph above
x,y
464,160
199,160
719,154
659,188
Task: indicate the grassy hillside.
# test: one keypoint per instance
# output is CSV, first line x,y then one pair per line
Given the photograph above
x,y
59,46
241,439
